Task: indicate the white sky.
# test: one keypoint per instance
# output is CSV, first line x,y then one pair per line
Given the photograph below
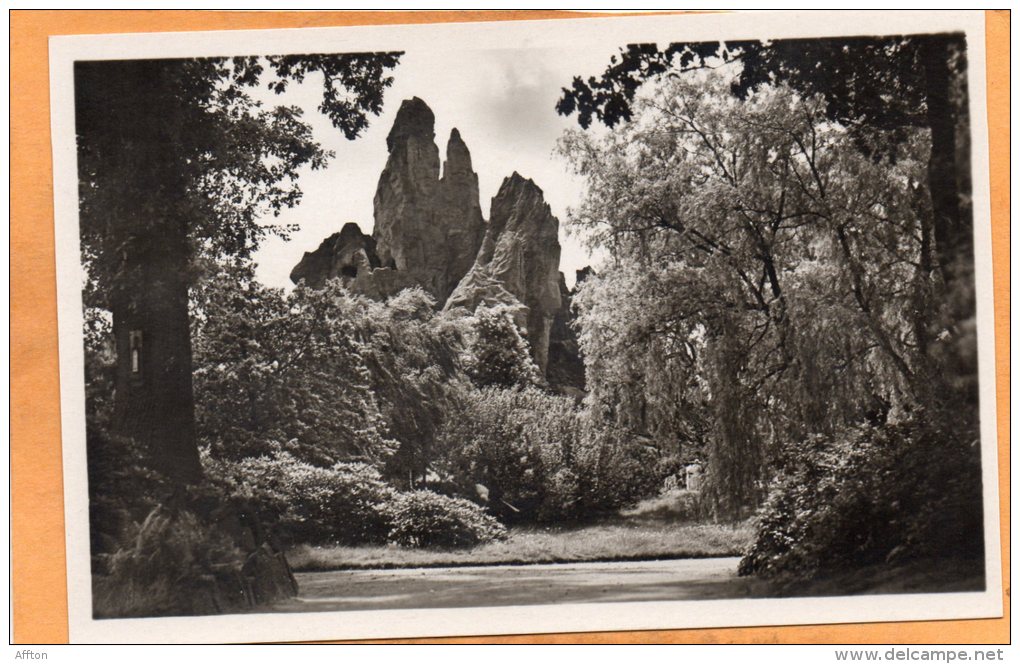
x,y
501,100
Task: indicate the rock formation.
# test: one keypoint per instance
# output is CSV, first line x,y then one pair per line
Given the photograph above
x,y
519,256
427,225
351,257
457,204
340,256
407,186
429,232
427,228
582,275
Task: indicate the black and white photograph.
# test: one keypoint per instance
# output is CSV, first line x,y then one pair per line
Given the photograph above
x,y
530,326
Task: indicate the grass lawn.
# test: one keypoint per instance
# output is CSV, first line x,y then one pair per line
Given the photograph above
x,y
631,536
594,543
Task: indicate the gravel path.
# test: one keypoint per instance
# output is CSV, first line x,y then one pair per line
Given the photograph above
x,y
660,580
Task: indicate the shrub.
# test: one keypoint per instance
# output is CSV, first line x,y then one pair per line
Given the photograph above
x,y
427,519
196,557
617,469
343,504
173,557
514,443
872,495
541,459
500,355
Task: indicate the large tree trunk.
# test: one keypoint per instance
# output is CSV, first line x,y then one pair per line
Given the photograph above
x,y
154,400
951,377
953,242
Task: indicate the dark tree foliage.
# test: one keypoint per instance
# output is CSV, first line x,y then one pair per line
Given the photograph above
x,y
273,369
176,160
608,99
866,82
353,84
877,87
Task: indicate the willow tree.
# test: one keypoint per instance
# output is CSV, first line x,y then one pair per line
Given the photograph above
x,y
765,276
178,161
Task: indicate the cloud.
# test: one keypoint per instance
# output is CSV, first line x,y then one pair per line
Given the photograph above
x,y
520,98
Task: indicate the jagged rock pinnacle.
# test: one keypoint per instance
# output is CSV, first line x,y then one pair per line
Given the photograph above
x,y
414,118
521,253
425,225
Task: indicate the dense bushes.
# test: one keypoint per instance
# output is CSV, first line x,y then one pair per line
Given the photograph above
x,y
528,455
193,555
318,406
537,457
163,548
334,375
876,494
349,504
288,386
343,504
426,519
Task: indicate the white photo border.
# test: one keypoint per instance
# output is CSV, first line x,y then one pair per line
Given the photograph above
x,y
523,34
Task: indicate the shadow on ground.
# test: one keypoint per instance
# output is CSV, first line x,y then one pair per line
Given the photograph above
x,y
666,580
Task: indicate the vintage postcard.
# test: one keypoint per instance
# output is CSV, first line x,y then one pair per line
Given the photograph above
x,y
526,326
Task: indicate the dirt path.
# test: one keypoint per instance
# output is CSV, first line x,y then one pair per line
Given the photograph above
x,y
661,580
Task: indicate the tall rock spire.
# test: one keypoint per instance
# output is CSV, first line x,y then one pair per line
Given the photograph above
x,y
404,229
424,225
458,206
519,258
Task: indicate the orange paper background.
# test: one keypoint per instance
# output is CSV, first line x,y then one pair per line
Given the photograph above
x,y
38,573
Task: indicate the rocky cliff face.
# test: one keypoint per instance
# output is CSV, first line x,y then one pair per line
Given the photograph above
x,y
429,232
340,256
427,225
351,257
519,257
427,228
566,369
458,205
